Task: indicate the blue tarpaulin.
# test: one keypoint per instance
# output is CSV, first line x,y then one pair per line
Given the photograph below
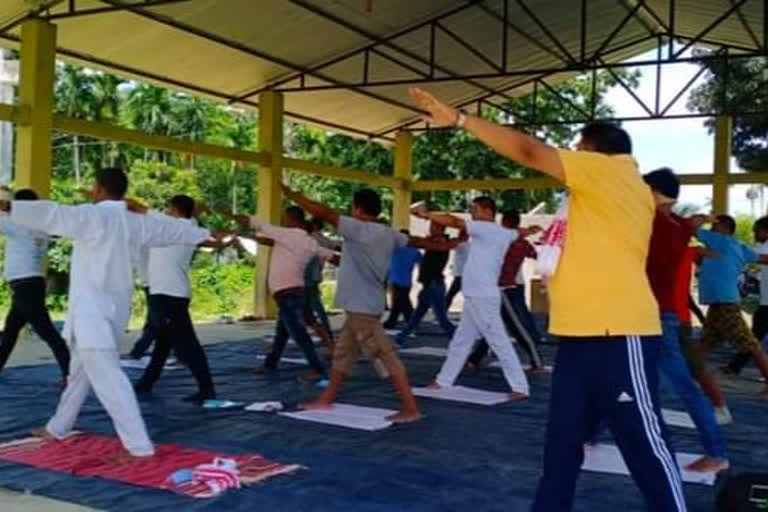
x,y
461,457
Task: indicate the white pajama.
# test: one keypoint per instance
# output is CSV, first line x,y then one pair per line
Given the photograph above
x,y
99,369
482,319
107,242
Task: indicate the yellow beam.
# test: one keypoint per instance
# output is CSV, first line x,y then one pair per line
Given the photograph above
x,y
723,132
401,215
330,171
489,184
118,134
269,195
37,65
19,114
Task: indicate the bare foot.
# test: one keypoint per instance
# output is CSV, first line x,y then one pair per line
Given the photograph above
x,y
42,433
434,385
517,397
316,405
405,417
125,457
707,463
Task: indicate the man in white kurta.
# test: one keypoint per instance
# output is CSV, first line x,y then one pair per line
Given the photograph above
x,y
107,239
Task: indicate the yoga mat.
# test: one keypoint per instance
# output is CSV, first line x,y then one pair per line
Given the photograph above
x,y
677,418
463,394
347,415
526,367
606,458
141,364
94,456
291,360
426,351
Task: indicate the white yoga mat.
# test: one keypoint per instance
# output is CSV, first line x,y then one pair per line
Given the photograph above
x,y
606,458
677,418
347,415
292,360
426,351
141,364
463,394
526,367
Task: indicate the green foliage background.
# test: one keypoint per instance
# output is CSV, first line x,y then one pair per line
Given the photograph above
x,y
224,286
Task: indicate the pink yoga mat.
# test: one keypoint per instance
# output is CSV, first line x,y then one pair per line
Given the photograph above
x,y
91,455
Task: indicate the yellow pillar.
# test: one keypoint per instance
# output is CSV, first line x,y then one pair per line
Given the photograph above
x,y
723,134
401,215
269,195
37,68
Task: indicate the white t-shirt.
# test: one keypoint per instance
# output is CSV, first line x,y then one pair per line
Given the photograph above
x,y
24,250
488,246
763,249
168,268
460,255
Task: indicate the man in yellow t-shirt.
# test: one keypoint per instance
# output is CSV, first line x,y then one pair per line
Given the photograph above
x,y
602,308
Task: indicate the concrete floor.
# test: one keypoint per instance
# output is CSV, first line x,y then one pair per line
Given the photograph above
x,y
32,350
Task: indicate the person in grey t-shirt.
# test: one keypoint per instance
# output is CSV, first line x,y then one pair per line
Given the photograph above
x,y
360,292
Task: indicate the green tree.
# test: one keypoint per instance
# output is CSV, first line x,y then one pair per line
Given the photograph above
x,y
74,98
740,85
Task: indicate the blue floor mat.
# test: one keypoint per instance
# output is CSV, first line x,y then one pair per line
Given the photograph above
x,y
461,457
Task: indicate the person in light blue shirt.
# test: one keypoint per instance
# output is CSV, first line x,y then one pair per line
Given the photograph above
x,y
718,288
24,271
404,259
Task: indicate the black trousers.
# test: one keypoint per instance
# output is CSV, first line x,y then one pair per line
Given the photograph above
x,y
28,306
452,292
173,329
401,304
759,329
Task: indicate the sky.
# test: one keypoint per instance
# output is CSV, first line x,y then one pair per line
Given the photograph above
x,y
681,144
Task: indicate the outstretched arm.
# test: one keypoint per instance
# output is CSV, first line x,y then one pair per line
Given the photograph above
x,y
314,208
444,219
432,245
512,144
76,222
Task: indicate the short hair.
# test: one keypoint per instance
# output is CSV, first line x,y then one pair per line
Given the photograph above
x,y
512,217
185,205
728,221
367,200
25,194
486,202
761,223
295,213
607,138
405,232
113,180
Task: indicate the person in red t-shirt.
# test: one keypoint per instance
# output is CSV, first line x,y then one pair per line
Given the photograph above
x,y
513,306
667,252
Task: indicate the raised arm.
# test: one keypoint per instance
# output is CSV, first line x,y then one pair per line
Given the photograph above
x,y
314,208
512,144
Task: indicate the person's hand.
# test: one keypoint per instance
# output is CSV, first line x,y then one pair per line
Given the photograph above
x,y
287,191
440,114
87,193
420,209
135,206
463,236
533,230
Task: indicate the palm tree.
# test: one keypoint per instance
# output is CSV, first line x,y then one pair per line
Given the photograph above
x,y
106,107
148,109
241,132
75,99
